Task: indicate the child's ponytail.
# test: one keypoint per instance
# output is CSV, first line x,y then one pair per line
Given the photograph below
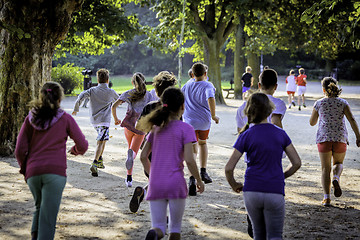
x,y
140,87
329,84
172,99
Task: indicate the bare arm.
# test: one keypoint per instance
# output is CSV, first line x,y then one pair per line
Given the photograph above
x,y
229,171
191,164
353,123
144,157
113,111
314,117
212,104
276,120
295,161
252,81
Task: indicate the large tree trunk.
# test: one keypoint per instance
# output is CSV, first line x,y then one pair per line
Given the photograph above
x,y
30,31
212,59
239,59
254,63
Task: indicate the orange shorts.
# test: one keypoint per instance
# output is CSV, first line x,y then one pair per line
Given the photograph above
x,y
337,147
290,92
202,134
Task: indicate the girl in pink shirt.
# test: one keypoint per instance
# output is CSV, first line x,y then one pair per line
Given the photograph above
x,y
41,153
171,142
331,137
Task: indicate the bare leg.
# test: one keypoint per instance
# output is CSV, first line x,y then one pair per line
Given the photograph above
x,y
325,171
99,149
338,159
203,153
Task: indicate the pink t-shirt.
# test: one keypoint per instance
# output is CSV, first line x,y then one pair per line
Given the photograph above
x,y
167,164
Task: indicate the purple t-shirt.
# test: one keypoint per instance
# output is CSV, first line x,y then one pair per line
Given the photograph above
x,y
167,163
197,112
264,145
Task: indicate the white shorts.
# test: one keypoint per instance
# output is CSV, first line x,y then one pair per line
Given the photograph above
x,y
301,90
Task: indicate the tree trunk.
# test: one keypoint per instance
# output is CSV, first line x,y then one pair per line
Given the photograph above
x,y
30,31
254,63
212,59
239,59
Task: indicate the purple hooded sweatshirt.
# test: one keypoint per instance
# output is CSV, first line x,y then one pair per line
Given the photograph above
x,y
45,148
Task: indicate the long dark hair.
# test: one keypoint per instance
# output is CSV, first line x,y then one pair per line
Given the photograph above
x,y
46,106
258,107
172,99
140,87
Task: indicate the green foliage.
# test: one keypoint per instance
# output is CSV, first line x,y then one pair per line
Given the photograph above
x,y
68,75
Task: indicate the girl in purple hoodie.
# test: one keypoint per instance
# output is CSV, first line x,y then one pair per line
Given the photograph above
x,y
41,154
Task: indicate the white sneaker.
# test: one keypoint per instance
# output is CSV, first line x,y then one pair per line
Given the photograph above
x,y
128,183
130,159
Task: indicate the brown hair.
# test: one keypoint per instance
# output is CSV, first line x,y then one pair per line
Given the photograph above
x,y
162,81
172,99
140,87
330,86
268,78
48,103
102,75
198,69
258,107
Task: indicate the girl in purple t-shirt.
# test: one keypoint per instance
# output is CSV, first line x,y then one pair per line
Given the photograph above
x,y
263,188
331,137
170,142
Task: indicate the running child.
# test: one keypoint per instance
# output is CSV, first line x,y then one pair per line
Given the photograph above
x,y
264,183
301,87
247,79
199,110
41,153
136,99
291,87
332,136
101,97
161,82
167,185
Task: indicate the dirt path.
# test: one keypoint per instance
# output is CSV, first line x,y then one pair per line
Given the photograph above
x,y
97,208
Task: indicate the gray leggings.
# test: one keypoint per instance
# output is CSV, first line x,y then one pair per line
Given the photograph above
x,y
47,191
266,212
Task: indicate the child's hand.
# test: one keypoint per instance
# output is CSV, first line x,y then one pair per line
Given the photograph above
x,y
200,186
74,113
216,119
238,187
117,121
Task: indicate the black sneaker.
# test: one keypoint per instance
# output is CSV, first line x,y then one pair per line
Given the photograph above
x,y
299,108
136,199
192,186
151,235
205,177
304,105
93,169
293,103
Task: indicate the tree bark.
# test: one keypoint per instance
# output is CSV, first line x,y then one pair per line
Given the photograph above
x,y
239,59
254,63
29,33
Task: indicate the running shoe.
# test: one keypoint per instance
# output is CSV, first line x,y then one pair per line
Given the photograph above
x,y
192,186
205,177
136,199
151,235
326,202
94,169
128,183
337,189
293,103
100,163
304,105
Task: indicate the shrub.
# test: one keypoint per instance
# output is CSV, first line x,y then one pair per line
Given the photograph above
x,y
68,75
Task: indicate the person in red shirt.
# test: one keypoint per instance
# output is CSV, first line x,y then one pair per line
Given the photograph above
x,y
301,87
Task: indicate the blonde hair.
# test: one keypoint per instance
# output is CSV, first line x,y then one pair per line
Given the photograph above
x,y
248,69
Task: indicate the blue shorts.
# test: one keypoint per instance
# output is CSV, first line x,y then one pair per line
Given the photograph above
x,y
103,133
245,89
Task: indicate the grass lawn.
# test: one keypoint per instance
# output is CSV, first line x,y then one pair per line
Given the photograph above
x,y
123,83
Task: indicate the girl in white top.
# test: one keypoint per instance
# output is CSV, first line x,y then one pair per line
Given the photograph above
x,y
291,87
331,137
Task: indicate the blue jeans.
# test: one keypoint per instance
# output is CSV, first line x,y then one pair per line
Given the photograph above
x,y
267,213
47,191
